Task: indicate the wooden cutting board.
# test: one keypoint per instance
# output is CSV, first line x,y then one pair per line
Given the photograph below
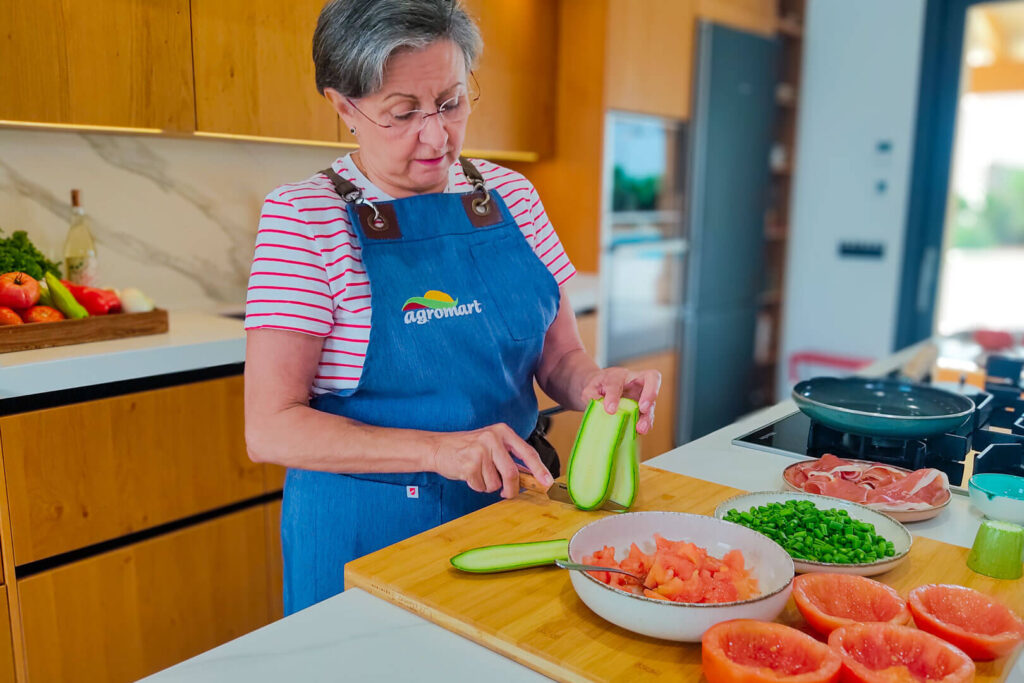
x,y
534,616
83,330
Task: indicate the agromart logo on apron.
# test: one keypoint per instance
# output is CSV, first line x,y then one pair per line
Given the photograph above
x,y
436,304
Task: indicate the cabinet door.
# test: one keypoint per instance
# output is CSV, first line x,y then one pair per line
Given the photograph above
x,y
275,563
254,70
88,472
662,438
650,56
133,611
562,435
6,645
587,325
516,73
125,63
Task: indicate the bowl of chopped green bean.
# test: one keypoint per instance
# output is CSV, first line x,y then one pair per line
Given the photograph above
x,y
820,533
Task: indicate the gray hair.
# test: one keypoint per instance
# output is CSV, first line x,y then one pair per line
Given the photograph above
x,y
354,38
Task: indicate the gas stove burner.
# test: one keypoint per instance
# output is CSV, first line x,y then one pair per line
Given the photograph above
x,y
908,453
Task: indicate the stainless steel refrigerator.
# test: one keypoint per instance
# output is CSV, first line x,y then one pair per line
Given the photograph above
x,y
683,229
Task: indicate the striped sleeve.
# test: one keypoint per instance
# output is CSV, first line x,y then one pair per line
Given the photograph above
x,y
288,284
546,244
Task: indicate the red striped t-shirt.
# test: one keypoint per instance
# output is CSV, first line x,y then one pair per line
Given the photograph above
x,y
307,275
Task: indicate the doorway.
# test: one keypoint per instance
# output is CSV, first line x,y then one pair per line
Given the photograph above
x,y
982,265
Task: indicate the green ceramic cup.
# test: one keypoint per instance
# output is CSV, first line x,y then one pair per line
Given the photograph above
x,y
998,549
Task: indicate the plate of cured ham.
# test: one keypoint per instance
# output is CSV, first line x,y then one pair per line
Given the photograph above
x,y
905,495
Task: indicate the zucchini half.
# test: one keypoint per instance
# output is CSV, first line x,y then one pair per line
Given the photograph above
x,y
603,462
509,556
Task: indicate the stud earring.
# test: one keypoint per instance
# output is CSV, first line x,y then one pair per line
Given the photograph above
x,y
352,130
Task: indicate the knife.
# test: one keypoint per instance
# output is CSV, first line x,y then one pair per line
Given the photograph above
x,y
560,492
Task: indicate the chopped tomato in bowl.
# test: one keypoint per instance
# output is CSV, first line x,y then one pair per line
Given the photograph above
x,y
679,571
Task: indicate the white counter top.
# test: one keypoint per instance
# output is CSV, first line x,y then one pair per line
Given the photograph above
x,y
350,637
194,340
356,636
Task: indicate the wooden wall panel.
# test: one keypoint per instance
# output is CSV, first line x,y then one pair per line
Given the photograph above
x,y
125,63
254,70
516,75
133,611
88,472
756,16
650,56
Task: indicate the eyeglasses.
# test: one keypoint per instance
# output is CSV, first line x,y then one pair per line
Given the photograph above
x,y
454,110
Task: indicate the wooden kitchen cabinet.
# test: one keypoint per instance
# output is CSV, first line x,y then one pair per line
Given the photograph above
x,y
125,63
662,438
650,56
6,643
254,70
92,471
516,74
275,561
130,612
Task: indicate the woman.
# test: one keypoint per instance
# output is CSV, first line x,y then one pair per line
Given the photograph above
x,y
401,304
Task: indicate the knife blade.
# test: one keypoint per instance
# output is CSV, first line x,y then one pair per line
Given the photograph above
x,y
560,492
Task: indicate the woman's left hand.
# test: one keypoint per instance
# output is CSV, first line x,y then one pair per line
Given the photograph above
x,y
614,383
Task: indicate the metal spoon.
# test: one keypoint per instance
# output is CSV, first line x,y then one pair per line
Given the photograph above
x,y
595,568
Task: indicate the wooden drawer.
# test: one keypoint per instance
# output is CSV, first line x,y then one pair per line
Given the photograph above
x,y
130,612
88,472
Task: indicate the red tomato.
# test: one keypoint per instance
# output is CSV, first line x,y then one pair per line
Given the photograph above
x,y
42,314
887,653
828,601
18,290
751,651
976,623
9,317
679,571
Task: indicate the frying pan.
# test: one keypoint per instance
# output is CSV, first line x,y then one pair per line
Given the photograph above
x,y
882,407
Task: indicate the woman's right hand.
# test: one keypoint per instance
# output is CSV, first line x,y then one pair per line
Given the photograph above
x,y
483,459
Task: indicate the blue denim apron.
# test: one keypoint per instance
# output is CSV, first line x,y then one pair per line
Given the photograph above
x,y
437,363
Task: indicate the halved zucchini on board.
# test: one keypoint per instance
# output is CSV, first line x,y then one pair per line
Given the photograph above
x,y
603,462
503,558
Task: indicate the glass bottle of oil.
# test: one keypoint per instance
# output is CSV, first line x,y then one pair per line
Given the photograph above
x,y
80,263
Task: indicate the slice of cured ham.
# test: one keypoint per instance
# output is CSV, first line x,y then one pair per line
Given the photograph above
x,y
919,489
872,484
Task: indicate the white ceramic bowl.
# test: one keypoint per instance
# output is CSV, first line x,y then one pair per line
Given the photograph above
x,y
885,526
898,515
998,496
770,564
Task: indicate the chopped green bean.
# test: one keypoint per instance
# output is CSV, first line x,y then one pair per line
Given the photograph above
x,y
809,533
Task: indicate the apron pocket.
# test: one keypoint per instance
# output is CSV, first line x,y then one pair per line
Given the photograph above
x,y
521,288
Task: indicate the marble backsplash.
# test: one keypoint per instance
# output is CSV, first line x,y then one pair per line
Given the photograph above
x,y
175,217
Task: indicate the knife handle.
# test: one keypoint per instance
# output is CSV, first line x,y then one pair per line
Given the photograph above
x,y
529,482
